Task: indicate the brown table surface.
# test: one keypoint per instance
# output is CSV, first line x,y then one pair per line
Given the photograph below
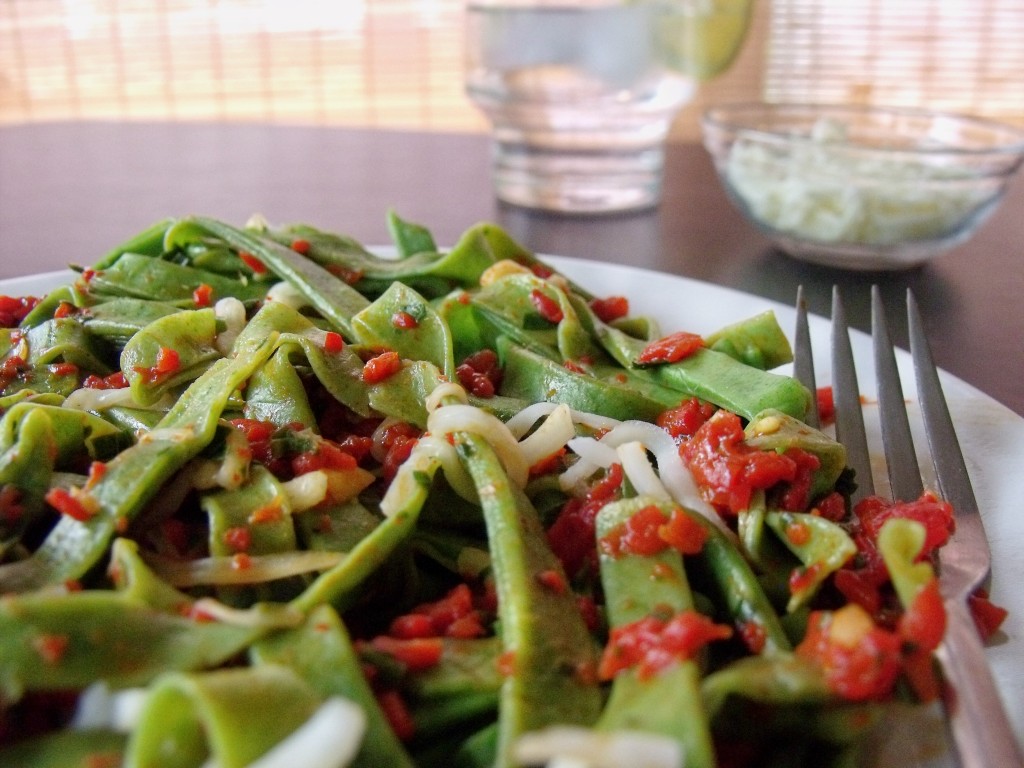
x,y
71,191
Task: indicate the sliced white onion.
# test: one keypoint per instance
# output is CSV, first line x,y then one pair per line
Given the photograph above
x,y
442,391
226,570
86,399
550,437
329,739
170,434
267,615
566,745
306,490
287,294
598,453
593,456
523,421
101,708
235,467
406,483
674,474
637,467
466,418
454,472
232,312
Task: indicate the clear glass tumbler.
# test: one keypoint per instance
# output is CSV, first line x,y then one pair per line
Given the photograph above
x,y
580,97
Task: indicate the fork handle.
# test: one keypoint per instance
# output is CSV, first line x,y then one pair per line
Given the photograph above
x,y
980,728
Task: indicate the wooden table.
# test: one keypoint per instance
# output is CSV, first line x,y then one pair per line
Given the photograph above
x,y
71,191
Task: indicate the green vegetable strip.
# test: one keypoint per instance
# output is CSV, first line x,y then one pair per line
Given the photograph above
x,y
67,748
338,585
332,297
135,476
231,715
636,586
549,647
148,242
738,589
321,653
143,277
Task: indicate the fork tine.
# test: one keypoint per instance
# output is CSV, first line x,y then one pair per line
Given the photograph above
x,y
803,358
900,458
978,722
948,459
846,392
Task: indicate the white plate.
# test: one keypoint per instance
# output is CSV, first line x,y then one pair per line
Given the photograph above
x,y
992,437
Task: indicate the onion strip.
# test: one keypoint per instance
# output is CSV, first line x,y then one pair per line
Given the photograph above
x,y
226,570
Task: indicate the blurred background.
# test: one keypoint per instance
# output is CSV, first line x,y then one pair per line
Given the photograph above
x,y
398,63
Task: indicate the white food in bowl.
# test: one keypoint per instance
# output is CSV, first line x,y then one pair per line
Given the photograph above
x,y
807,189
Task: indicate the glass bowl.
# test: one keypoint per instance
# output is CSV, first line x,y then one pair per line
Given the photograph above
x,y
865,188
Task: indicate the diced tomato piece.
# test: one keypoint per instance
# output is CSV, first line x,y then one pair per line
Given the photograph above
x,y
257,266
238,538
202,296
988,616
860,660
671,349
572,535
683,421
14,309
546,307
416,653
404,321
51,648
924,622
611,308
397,714
654,642
637,535
67,503
381,367
333,343
826,405
301,246
683,533
553,581
727,470
411,625
753,635
349,276
64,309
115,380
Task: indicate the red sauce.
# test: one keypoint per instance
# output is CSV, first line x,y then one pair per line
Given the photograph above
x,y
115,380
611,308
202,296
572,535
381,367
671,349
66,503
237,538
14,309
654,642
864,668
257,266
333,343
404,321
546,306
683,421
727,470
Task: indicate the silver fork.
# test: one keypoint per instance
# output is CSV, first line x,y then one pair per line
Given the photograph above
x,y
978,723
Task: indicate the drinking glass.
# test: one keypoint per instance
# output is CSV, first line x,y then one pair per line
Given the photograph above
x,y
581,95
